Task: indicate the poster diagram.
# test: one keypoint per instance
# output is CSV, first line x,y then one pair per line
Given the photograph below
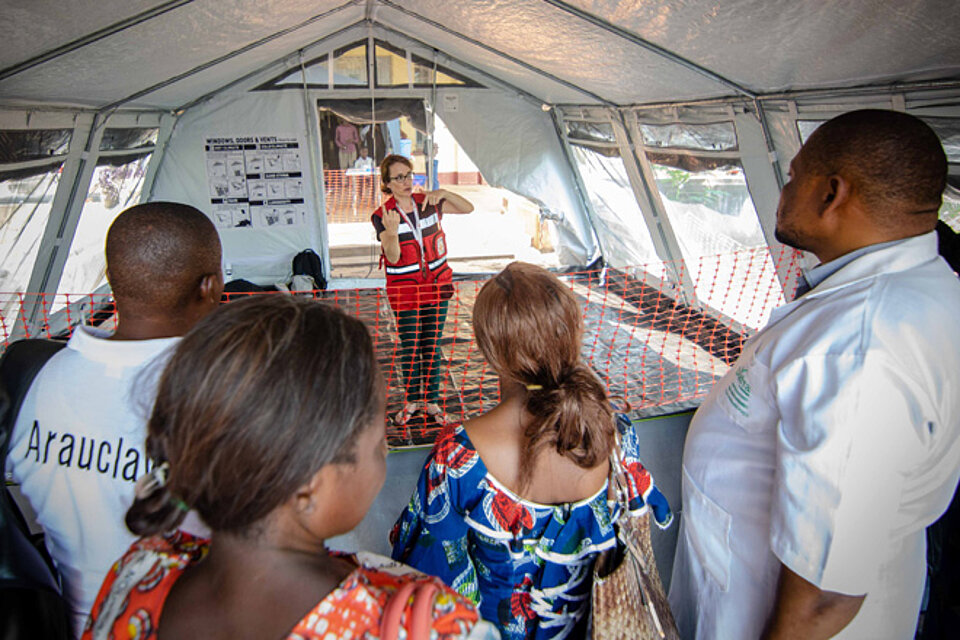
x,y
256,181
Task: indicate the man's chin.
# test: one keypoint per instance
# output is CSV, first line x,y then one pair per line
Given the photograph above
x,y
787,239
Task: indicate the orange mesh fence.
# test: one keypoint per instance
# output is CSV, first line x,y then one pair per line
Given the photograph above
x,y
649,346
350,198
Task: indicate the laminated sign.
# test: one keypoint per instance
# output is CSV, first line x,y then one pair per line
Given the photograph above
x,y
255,181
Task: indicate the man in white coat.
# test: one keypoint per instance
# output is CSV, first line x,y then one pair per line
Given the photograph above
x,y
78,445
814,466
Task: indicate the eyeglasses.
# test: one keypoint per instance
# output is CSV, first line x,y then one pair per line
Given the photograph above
x,y
402,177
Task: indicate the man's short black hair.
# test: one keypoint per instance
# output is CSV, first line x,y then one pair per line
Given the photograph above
x,y
894,160
157,254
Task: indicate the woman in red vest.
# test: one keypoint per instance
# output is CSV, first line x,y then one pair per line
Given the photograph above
x,y
419,280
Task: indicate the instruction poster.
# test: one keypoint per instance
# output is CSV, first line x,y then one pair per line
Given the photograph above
x,y
256,181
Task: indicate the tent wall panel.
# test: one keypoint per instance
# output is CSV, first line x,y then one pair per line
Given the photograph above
x,y
763,186
65,213
261,255
517,148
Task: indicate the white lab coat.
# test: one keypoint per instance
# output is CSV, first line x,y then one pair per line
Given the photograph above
x,y
829,446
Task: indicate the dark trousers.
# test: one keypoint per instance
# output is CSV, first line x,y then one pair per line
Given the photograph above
x,y
419,352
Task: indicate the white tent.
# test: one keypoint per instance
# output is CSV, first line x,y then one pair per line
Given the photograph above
x,y
572,104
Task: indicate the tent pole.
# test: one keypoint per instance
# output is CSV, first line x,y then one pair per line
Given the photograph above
x,y
502,84
318,185
64,216
283,61
649,46
768,139
91,38
167,124
227,56
651,207
495,51
557,119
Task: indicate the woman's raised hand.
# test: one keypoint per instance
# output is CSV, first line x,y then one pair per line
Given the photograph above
x,y
391,220
433,197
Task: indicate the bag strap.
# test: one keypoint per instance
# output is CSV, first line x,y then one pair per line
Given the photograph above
x,y
421,612
619,484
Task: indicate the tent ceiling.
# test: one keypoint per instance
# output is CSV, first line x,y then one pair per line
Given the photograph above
x,y
579,51
771,46
173,43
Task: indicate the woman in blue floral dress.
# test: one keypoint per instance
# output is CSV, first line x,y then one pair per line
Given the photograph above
x,y
511,508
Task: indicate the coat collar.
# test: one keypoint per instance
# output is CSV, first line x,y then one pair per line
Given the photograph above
x,y
891,258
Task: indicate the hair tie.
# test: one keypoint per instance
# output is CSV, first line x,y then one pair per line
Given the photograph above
x,y
155,479
534,387
180,504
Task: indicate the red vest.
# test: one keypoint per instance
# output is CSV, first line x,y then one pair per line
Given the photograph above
x,y
418,278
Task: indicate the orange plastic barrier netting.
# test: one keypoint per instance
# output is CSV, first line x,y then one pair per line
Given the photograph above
x,y
649,347
350,198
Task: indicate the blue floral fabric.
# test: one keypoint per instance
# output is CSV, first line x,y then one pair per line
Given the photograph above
x,y
528,566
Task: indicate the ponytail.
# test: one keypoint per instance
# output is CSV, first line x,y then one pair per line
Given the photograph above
x,y
155,509
573,415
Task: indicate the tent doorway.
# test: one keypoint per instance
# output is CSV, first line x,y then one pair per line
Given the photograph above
x,y
504,226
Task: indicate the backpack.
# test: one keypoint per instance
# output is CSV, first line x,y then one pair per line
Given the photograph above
x,y
31,602
308,263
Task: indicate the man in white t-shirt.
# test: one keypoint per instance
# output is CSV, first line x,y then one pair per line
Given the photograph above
x,y
78,443
814,466
364,162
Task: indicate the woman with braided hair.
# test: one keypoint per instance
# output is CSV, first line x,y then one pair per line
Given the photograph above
x,y
511,508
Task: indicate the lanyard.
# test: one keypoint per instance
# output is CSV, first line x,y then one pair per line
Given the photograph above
x,y
414,227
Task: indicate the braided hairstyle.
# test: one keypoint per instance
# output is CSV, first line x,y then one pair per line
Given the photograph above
x,y
258,397
529,328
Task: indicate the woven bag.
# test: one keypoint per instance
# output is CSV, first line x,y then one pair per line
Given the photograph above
x,y
627,598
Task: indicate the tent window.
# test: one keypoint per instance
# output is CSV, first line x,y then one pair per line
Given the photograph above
x,y
350,66
318,76
597,132
128,138
948,129
116,185
806,128
392,69
22,145
711,212
719,136
423,75
625,237
25,202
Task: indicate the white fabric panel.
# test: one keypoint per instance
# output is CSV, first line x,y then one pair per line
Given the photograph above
x,y
209,80
570,48
619,220
164,47
515,145
259,255
29,29
771,46
783,132
511,73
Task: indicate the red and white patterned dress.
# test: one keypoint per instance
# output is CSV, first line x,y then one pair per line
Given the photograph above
x,y
131,599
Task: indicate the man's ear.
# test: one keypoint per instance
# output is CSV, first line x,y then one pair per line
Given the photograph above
x,y
211,288
836,194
